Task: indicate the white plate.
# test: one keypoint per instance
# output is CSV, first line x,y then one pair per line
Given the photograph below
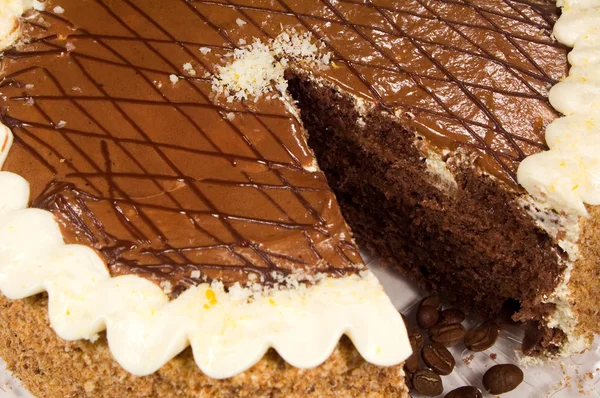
x,y
573,377
9,387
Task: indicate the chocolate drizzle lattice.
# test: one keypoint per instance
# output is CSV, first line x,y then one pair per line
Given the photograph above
x,y
165,180
471,74
195,187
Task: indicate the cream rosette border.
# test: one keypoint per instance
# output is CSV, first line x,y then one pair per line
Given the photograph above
x,y
568,175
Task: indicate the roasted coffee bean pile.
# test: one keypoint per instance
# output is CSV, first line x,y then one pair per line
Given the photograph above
x,y
444,329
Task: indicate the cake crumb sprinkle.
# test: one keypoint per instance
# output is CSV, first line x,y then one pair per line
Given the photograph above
x,y
189,69
259,67
38,5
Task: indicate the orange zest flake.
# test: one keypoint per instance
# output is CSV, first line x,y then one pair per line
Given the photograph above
x,y
211,297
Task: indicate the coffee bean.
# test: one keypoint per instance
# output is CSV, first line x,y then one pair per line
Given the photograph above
x,y
405,319
447,335
408,380
438,358
427,383
482,337
427,316
416,338
465,392
451,315
500,379
433,301
413,363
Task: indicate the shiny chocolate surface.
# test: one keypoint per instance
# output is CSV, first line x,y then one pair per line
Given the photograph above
x,y
137,157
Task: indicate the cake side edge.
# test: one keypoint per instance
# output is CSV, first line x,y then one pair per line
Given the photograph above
x,y
562,180
52,367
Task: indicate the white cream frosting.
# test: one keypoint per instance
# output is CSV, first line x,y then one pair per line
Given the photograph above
x,y
568,175
229,331
10,11
563,228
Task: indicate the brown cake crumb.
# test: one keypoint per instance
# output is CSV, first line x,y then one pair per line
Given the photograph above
x,y
586,273
467,360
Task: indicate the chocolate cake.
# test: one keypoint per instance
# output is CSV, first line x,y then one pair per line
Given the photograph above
x,y
166,152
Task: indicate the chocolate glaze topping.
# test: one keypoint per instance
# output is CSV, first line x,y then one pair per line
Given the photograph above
x,y
473,74
164,179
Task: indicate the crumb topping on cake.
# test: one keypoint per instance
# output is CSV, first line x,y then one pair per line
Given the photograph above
x,y
258,68
10,11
